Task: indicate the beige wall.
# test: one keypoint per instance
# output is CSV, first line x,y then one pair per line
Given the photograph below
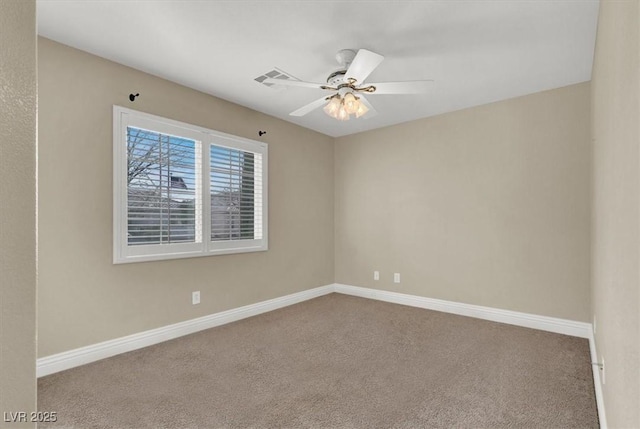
x,y
18,206
616,214
487,206
83,298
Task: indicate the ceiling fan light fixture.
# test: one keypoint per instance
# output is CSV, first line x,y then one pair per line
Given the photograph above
x,y
341,108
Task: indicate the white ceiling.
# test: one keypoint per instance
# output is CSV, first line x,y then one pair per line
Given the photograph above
x,y
477,51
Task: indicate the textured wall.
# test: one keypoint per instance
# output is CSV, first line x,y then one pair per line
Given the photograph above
x,y
616,214
487,206
83,298
17,205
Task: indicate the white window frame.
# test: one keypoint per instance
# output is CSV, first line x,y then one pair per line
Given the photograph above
x,y
204,138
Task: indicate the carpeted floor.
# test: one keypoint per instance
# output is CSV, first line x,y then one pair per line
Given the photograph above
x,y
336,362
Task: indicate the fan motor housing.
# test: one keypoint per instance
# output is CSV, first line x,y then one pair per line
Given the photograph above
x,y
345,58
336,78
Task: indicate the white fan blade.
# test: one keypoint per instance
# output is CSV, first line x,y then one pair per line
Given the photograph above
x,y
372,112
411,87
363,64
309,107
291,82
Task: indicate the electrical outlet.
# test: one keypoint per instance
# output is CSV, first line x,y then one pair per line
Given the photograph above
x,y
195,297
376,275
396,277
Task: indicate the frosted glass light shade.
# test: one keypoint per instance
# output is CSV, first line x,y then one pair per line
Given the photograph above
x,y
362,109
343,115
350,103
333,106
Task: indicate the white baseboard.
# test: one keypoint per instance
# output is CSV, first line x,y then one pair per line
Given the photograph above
x,y
81,356
597,382
73,358
543,323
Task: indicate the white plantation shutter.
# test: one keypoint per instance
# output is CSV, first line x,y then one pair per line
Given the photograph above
x,y
236,194
162,188
164,207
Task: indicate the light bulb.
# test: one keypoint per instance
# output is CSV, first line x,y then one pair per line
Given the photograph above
x,y
362,109
350,103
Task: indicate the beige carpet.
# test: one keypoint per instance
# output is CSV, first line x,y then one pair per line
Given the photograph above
x,y
336,361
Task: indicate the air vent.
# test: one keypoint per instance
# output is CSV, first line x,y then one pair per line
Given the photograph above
x,y
274,74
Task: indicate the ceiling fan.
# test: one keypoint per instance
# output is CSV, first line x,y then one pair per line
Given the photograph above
x,y
348,86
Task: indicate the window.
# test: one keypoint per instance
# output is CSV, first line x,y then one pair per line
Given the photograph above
x,y
183,191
